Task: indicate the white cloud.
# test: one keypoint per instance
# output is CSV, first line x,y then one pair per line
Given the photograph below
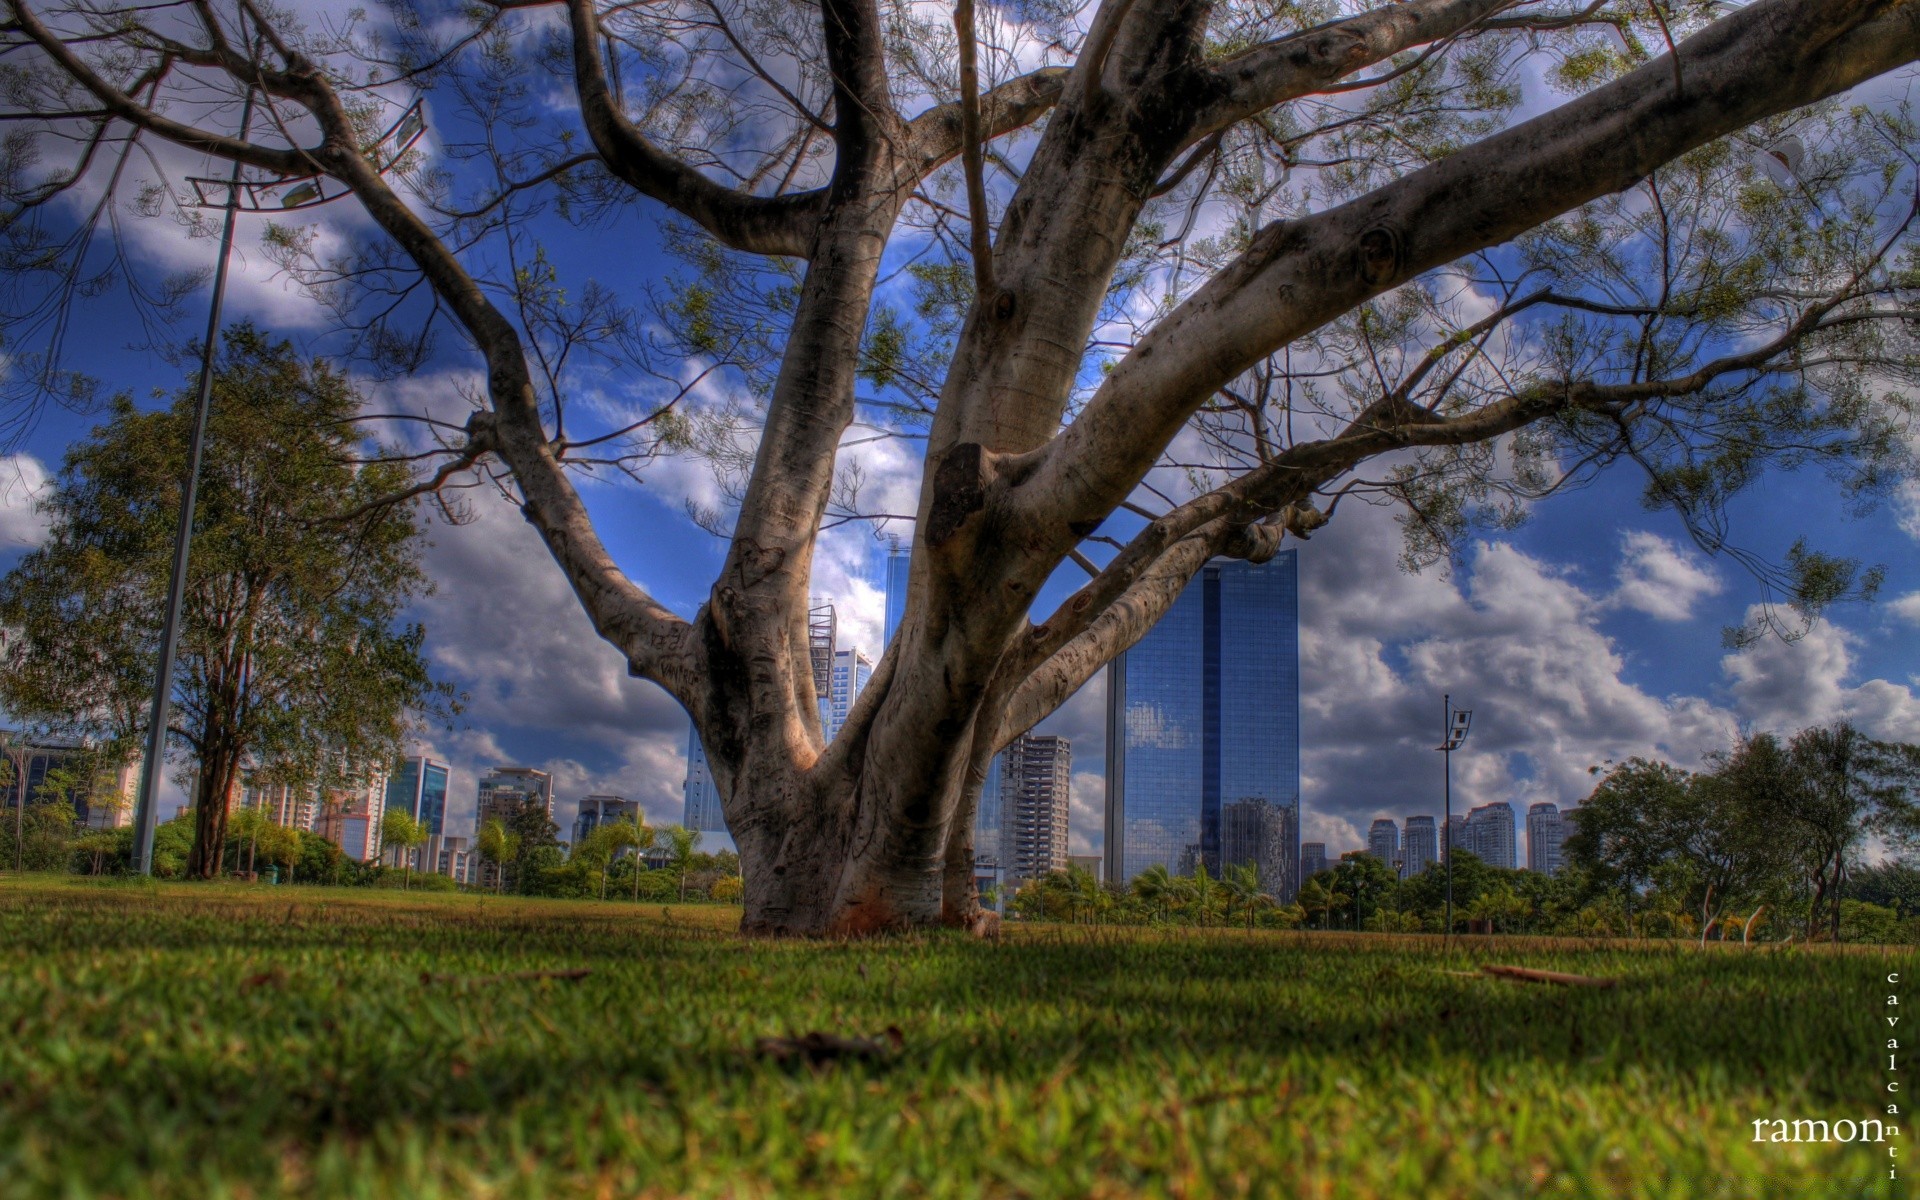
x,y
1785,686
1660,579
1906,608
23,484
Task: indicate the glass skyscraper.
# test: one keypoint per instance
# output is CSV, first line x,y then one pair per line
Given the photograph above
x,y
899,568
702,798
418,787
1202,713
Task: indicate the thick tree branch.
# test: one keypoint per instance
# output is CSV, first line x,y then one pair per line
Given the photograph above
x,y
123,106
782,225
1772,56
1257,79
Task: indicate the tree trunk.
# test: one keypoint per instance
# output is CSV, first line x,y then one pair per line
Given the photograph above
x,y
218,767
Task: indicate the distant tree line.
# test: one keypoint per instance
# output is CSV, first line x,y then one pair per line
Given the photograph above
x,y
1810,838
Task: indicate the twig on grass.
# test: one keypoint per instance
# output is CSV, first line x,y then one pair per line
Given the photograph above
x,y
1529,975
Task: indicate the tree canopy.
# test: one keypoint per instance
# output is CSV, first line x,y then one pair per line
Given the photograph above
x,y
293,662
1154,282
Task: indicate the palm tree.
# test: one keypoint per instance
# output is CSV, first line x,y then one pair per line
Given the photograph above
x,y
1322,898
1241,885
1157,887
641,835
498,847
399,830
1203,890
681,841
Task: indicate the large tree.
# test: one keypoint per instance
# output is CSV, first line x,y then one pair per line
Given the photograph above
x,y
292,658
1296,252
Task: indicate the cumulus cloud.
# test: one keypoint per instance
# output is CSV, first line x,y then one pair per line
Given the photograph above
x,y
1511,637
23,484
1785,686
1660,579
1907,608
545,690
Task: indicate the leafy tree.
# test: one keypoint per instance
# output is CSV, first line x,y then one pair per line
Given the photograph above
x,y
1500,906
244,827
401,832
1318,895
1619,832
289,653
1725,828
536,843
1365,881
1846,787
1308,236
1891,884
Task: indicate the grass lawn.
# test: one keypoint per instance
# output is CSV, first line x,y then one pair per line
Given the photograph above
x,y
209,1041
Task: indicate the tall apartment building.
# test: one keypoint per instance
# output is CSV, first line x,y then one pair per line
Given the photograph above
x,y
1383,841
1419,847
847,679
1457,832
291,805
504,791
702,810
1204,711
823,633
350,816
1546,833
418,787
1034,785
1489,834
1313,859
596,811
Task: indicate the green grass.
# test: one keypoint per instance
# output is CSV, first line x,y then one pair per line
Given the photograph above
x,y
212,1041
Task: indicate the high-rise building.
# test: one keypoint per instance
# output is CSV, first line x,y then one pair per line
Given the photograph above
x,y
1457,833
851,671
1383,842
1202,711
1092,864
101,795
1419,848
822,639
1313,859
457,860
1266,836
1546,833
1034,784
1489,834
418,787
504,792
350,816
703,799
899,570
596,811
291,805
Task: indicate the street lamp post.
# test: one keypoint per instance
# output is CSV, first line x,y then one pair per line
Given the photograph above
x,y
237,194
1454,723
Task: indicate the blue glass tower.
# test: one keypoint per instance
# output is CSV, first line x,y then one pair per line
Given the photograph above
x,y
1203,718
899,568
418,787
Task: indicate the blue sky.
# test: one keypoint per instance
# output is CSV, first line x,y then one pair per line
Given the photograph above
x,y
1591,633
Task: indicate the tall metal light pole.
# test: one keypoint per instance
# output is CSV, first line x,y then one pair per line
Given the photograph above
x,y
238,194
1454,723
149,794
